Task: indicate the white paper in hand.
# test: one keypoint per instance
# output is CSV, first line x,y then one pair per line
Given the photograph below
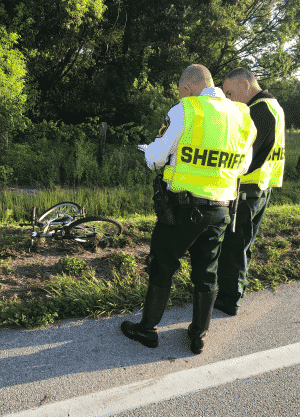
x,y
142,148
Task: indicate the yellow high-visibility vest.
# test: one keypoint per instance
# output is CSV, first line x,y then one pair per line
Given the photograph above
x,y
271,172
217,135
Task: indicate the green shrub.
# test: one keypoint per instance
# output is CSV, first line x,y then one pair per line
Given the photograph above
x,y
72,266
151,105
6,175
49,154
27,164
148,101
126,134
6,266
124,263
125,167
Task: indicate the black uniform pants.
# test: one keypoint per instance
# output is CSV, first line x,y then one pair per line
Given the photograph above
x,y
202,240
236,253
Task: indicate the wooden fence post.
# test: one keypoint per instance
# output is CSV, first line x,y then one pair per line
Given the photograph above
x,y
3,145
101,144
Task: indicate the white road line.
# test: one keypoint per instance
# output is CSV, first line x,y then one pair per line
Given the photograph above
x,y
126,397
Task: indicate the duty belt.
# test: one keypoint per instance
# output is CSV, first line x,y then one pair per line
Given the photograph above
x,y
188,199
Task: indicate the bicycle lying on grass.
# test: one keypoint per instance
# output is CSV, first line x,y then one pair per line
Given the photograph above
x,y
67,221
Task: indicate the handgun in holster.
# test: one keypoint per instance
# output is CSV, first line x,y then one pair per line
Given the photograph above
x,y
163,205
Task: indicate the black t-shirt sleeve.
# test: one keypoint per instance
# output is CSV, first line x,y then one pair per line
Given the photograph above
x,y
265,125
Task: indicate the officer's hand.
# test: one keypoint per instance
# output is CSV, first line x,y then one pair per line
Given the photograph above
x,y
141,149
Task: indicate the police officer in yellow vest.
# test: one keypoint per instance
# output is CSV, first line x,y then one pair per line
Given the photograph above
x,y
265,171
207,140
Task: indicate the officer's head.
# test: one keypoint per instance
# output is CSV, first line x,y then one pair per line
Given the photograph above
x,y
193,80
240,85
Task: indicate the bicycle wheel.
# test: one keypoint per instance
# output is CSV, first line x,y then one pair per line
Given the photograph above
x,y
60,212
91,228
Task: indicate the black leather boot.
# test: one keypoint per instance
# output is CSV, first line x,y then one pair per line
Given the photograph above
x,y
145,332
203,304
226,304
226,307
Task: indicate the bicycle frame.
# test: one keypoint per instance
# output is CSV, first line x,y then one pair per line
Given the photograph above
x,y
54,234
54,222
61,222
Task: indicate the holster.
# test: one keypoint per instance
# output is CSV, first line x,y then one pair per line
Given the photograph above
x,y
163,205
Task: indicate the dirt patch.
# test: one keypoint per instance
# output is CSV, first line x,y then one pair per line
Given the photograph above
x,y
22,272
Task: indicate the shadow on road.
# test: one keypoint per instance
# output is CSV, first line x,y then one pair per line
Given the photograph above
x,y
88,345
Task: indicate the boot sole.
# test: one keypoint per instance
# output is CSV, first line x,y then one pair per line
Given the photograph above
x,y
139,339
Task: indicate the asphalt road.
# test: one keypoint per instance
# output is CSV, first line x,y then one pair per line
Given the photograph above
x,y
88,368
273,394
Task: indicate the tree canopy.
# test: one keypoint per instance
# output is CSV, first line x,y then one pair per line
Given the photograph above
x,y
12,73
68,65
119,62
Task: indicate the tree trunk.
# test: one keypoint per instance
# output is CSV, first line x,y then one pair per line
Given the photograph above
x,y
3,145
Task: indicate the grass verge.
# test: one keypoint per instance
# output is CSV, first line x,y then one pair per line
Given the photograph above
x,y
73,289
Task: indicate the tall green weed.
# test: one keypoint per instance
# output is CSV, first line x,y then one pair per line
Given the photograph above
x,y
49,154
114,202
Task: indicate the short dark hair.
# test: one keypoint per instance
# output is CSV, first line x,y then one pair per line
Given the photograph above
x,y
240,73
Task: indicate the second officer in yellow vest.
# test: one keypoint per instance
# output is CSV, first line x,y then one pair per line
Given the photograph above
x,y
266,171
207,143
